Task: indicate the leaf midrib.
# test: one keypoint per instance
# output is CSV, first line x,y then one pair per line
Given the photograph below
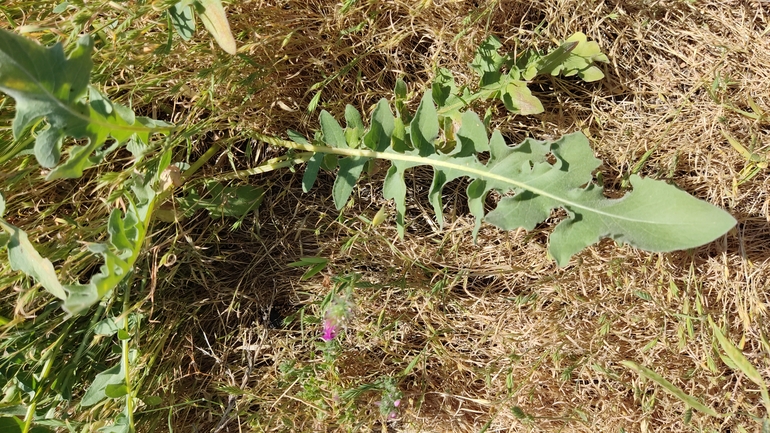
x,y
445,164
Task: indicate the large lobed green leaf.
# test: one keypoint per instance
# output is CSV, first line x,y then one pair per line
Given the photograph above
x,y
535,178
47,85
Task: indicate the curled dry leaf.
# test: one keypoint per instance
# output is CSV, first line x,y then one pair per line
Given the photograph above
x,y
172,175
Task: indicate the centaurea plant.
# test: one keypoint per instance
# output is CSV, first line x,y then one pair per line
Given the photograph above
x,y
338,310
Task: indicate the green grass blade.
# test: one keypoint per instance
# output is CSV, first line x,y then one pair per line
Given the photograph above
x,y
670,388
741,363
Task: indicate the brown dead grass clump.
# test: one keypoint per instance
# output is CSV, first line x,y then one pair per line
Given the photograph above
x,y
478,334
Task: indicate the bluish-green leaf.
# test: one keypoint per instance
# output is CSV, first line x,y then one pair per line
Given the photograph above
x,y
472,135
444,89
121,425
400,101
49,86
655,216
381,129
347,177
354,124
519,99
127,234
473,139
425,127
535,178
488,61
311,171
97,392
333,133
182,18
109,326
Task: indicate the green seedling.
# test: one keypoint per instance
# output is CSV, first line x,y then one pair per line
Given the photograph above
x,y
755,162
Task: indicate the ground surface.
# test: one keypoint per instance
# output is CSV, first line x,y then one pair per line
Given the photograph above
x,y
488,336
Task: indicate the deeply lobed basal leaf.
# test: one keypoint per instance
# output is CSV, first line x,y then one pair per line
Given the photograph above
x,y
49,86
535,178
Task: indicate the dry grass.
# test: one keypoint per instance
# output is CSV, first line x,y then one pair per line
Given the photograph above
x,y
469,331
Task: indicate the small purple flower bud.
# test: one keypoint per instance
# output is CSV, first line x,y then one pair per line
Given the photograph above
x,y
330,330
396,403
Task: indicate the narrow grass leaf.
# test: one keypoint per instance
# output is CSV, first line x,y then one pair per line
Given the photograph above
x,y
739,360
741,363
552,62
670,388
313,104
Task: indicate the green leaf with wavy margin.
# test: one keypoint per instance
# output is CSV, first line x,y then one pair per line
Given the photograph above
x,y
49,86
127,232
535,178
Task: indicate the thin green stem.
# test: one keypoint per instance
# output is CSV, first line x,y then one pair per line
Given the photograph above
x,y
49,355
213,150
126,363
202,160
268,166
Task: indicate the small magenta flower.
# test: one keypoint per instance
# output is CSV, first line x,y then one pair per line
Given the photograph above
x,y
391,398
330,329
338,311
